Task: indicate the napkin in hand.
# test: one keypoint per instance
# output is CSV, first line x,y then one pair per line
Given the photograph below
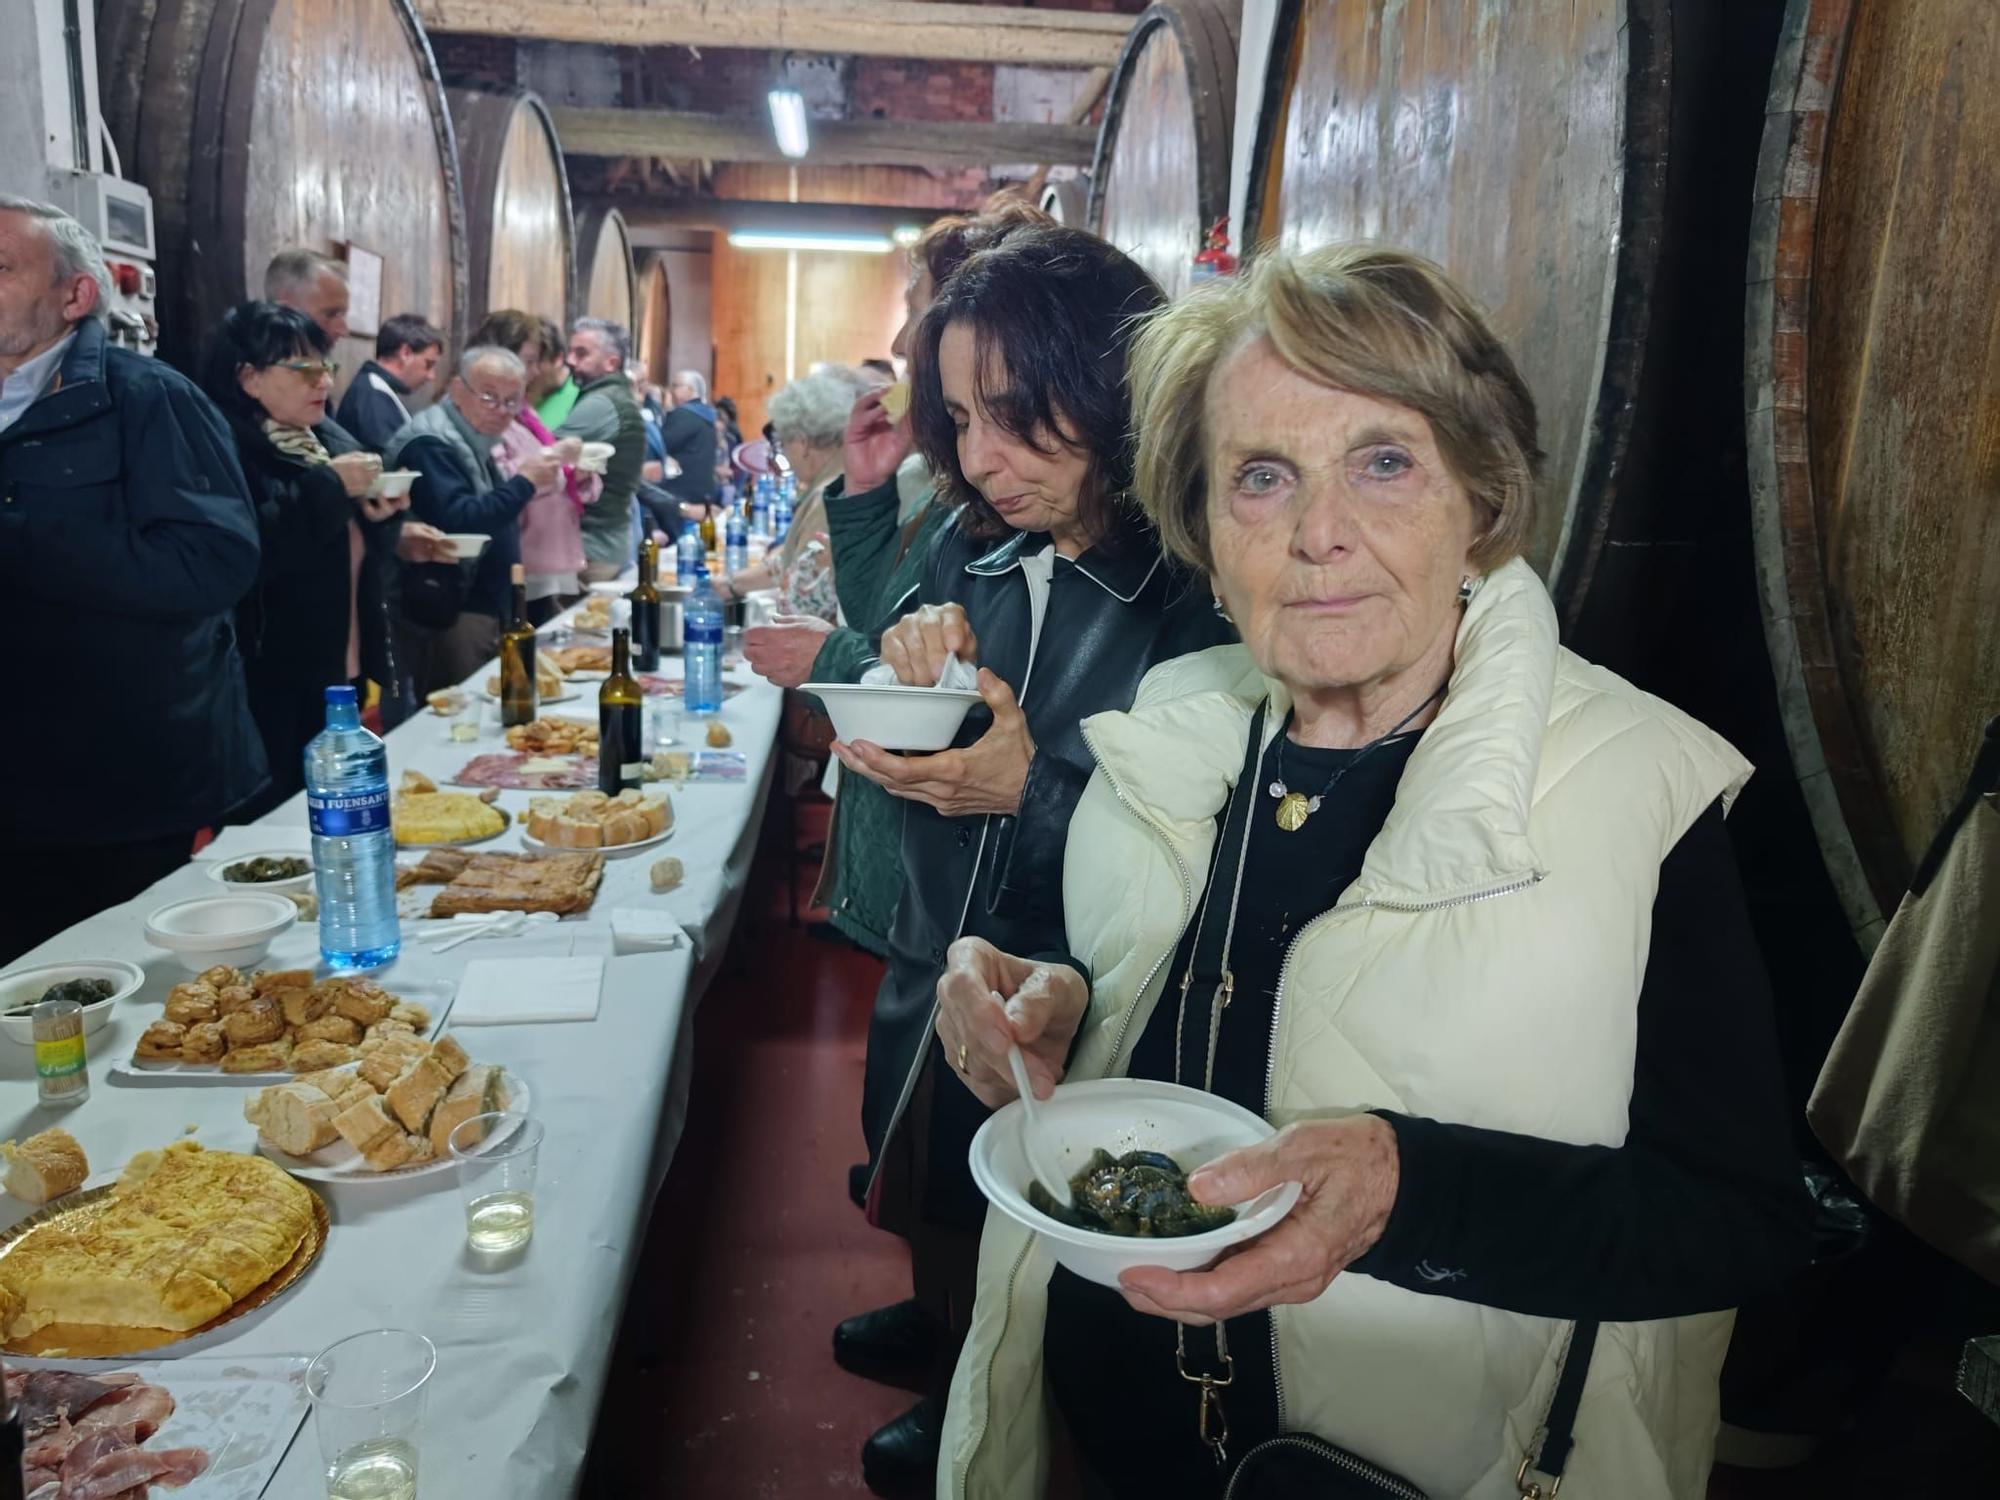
x,y
516,991
959,675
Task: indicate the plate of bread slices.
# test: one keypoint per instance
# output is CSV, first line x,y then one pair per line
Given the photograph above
x,y
552,684
624,824
389,1114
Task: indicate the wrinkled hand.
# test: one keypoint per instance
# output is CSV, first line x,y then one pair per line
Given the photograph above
x,y
1349,1170
918,645
567,451
988,999
784,650
987,776
357,471
419,543
541,469
873,446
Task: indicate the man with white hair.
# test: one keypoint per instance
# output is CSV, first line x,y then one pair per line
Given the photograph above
x,y
313,283
606,412
126,540
460,488
689,433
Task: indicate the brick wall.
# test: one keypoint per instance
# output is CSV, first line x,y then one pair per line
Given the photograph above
x,y
721,81
893,88
481,62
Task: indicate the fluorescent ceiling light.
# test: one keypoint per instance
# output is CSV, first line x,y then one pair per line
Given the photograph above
x,y
756,239
908,234
788,121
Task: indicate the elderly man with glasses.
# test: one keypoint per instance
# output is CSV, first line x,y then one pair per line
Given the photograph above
x,y
461,488
126,540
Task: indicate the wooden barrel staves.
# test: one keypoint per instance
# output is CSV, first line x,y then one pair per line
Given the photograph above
x,y
263,125
1873,354
1160,176
1523,148
655,322
521,235
605,283
1068,202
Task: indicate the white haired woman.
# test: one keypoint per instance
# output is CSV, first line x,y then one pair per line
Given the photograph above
x,y
810,418
1453,908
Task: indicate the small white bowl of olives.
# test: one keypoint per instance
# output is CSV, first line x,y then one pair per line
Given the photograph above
x,y
108,980
279,870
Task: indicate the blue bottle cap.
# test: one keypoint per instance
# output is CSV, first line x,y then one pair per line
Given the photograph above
x,y
341,693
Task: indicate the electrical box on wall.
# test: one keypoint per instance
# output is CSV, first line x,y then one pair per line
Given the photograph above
x,y
120,214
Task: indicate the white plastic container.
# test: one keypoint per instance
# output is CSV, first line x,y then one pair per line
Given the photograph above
x,y
893,716
235,930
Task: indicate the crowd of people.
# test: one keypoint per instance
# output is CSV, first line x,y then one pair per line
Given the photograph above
x,y
1281,786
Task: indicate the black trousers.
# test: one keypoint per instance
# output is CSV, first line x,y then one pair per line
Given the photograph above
x,y
64,886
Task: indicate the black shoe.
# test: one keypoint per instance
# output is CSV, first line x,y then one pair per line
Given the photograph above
x,y
896,1345
901,1459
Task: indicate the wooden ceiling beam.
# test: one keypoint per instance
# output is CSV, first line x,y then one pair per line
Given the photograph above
x,y
873,143
937,29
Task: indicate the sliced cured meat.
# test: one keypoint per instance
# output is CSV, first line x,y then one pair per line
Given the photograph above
x,y
132,1469
88,1450
48,1394
142,1406
509,772
51,1448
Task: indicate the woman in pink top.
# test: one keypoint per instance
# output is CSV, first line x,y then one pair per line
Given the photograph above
x,y
551,529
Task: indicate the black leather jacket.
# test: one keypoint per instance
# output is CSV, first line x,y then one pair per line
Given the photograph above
x,y
1111,616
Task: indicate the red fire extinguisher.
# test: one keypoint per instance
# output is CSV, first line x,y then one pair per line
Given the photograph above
x,y
1214,259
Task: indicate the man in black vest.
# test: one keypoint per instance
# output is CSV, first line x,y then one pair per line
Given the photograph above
x,y
606,412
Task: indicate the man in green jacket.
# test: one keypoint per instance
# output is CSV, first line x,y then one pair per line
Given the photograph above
x,y
881,561
606,413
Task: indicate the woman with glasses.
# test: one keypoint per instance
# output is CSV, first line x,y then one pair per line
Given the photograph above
x,y
317,614
455,445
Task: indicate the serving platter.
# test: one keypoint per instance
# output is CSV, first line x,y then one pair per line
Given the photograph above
x,y
609,851
98,1341
341,1163
506,822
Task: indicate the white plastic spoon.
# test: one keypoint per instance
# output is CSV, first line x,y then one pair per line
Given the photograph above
x,y
1056,1185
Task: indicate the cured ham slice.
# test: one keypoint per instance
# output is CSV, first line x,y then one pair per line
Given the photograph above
x,y
46,1396
132,1468
142,1406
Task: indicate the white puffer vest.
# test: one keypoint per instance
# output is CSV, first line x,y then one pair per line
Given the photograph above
x,y
1483,969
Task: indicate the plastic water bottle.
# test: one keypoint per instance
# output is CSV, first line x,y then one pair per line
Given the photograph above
x,y
735,544
354,853
781,517
687,553
760,513
701,653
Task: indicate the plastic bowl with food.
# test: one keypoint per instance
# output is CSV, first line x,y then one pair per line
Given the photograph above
x,y
596,456
467,544
1120,1115
275,870
236,930
894,716
393,484
21,989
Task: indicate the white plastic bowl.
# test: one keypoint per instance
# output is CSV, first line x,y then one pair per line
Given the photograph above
x,y
275,887
468,544
596,456
393,484
28,984
235,930
893,716
1120,1115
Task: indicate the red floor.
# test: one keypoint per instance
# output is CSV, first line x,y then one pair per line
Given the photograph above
x,y
724,1383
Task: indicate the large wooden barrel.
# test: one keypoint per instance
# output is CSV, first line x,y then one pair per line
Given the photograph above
x,y
1068,201
262,125
1160,176
522,238
1524,148
655,321
604,278
1874,418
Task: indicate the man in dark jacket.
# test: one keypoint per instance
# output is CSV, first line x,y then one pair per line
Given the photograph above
x,y
376,405
126,540
605,412
688,430
460,489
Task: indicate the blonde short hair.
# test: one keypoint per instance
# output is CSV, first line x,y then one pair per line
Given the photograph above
x,y
1378,322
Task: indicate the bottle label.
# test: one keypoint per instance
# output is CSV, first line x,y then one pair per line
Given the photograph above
x,y
703,633
345,817
59,1059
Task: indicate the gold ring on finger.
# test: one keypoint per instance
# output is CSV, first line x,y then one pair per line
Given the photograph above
x,y
961,1057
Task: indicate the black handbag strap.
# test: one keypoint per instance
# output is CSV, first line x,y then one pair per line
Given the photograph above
x,y
1559,1432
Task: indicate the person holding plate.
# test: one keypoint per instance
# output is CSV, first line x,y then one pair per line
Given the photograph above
x,y
1450,906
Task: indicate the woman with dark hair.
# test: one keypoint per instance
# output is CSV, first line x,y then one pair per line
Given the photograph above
x,y
1019,404
318,614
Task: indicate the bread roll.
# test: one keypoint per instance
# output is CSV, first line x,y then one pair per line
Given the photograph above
x,y
413,1096
44,1166
365,1124
397,1150
476,1092
448,1055
294,1117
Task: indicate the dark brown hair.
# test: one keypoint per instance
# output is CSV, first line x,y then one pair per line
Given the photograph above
x,y
1055,309
953,240
510,328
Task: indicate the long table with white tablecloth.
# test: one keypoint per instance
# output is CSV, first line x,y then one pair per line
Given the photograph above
x,y
522,1348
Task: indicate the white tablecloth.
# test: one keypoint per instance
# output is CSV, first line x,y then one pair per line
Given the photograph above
x,y
522,1349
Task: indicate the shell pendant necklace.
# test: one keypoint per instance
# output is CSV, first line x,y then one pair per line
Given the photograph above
x,y
1295,807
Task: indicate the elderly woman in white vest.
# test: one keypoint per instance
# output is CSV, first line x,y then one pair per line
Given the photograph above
x,y
1450,906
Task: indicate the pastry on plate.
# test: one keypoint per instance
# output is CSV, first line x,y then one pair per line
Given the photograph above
x,y
233,997
265,1057
189,1003
206,1043
310,1056
329,1028
220,977
162,1041
362,1000
269,982
302,1007
257,1022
